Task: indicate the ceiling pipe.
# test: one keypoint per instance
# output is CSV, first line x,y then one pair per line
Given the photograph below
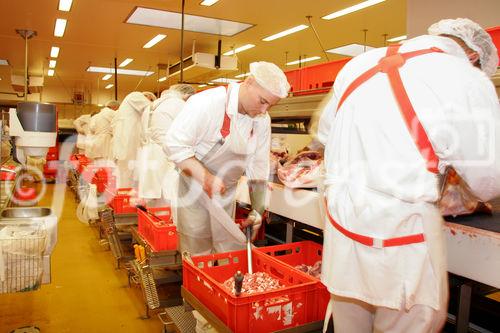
x,y
182,42
26,34
116,81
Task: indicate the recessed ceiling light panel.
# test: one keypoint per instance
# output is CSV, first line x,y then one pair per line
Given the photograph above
x,y
352,9
300,61
239,49
60,27
54,52
126,62
52,63
351,50
109,70
172,20
106,77
208,2
155,40
4,62
50,72
109,86
65,5
286,32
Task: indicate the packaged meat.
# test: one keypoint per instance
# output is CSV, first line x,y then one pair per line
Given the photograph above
x,y
457,198
254,283
303,171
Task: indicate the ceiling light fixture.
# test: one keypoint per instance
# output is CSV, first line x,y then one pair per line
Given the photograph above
x,y
109,86
52,63
239,49
54,52
302,60
242,75
4,62
351,50
162,79
154,41
65,5
172,20
202,85
208,2
126,62
109,70
286,32
106,77
60,27
50,72
352,9
397,39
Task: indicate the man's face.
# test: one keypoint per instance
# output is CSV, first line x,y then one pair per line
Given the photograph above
x,y
256,100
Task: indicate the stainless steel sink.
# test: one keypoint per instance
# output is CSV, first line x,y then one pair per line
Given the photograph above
x,y
25,212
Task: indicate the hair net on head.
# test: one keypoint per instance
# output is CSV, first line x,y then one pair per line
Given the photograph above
x,y
112,104
185,90
270,77
474,36
149,95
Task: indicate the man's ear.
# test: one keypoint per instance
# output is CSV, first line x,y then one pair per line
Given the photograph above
x,y
473,58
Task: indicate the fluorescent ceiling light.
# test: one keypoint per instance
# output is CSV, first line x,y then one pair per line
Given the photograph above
x,y
239,49
302,60
54,52
202,85
65,5
106,77
242,75
109,86
210,83
225,80
172,20
154,41
162,79
352,9
52,63
126,62
60,27
397,39
351,50
4,62
208,2
109,70
50,72
100,105
286,32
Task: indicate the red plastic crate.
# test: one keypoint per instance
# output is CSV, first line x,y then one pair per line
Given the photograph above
x,y
122,200
270,311
294,254
157,228
7,175
102,177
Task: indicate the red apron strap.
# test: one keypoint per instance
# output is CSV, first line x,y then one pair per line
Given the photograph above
x,y
226,124
375,242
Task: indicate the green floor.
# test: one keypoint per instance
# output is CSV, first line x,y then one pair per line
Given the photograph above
x,y
87,293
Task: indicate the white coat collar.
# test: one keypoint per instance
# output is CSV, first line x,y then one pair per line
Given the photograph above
x,y
448,45
232,107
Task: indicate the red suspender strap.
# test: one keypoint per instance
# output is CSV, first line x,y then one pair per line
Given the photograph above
x,y
390,65
375,242
226,124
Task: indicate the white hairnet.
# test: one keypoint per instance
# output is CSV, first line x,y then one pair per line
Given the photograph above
x,y
149,95
185,90
270,77
474,36
112,104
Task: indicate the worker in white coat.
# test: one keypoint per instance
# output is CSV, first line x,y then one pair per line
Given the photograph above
x,y
99,147
83,131
126,140
157,175
220,134
398,116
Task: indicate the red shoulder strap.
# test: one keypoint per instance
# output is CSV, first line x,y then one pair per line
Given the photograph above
x,y
226,123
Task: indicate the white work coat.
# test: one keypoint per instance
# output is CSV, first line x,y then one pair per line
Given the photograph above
x,y
126,140
195,132
157,177
99,146
377,183
82,128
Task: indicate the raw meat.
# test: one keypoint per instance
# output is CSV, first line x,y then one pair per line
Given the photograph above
x,y
314,270
457,199
254,283
304,170
277,159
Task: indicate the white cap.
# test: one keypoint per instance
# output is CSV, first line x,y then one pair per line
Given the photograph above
x,y
473,36
270,77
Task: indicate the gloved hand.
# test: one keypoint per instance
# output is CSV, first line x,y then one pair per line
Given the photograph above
x,y
254,219
156,134
213,185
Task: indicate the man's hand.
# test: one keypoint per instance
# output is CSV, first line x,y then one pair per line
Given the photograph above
x,y
254,219
213,185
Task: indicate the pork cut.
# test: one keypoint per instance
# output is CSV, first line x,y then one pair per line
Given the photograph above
x,y
303,171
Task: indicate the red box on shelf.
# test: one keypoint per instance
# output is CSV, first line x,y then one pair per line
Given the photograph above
x,y
122,200
294,254
268,311
157,228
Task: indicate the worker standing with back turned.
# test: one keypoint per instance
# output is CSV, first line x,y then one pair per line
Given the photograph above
x,y
220,134
397,118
